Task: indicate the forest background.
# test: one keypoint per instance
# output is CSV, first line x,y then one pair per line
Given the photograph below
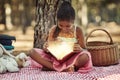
x,y
30,20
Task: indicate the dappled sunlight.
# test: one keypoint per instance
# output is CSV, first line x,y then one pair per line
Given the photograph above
x,y
111,27
2,27
8,16
23,42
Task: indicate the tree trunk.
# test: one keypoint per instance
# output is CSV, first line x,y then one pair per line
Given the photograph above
x,y
46,17
2,13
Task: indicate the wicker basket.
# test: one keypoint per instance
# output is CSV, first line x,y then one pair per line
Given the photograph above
x,y
103,53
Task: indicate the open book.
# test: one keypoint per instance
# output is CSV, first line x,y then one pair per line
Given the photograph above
x,y
60,50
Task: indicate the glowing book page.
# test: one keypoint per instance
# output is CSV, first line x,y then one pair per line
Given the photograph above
x,y
60,49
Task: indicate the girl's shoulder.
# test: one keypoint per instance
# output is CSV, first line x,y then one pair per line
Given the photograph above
x,y
52,29
51,32
54,26
78,29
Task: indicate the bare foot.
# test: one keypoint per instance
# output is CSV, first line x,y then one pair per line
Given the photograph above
x,y
46,69
70,69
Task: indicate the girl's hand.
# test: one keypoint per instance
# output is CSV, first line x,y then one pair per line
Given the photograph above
x,y
45,45
77,47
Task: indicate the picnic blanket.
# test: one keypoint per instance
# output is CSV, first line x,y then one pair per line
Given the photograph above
x,y
98,73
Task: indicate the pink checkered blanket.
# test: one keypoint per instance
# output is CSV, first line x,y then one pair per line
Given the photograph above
x,y
98,73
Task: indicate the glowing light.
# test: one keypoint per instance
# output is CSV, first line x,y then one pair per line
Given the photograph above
x,y
60,49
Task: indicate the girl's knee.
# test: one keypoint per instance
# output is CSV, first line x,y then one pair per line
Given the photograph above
x,y
84,57
31,52
82,60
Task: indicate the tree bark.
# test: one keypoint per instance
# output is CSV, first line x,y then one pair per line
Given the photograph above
x,y
2,13
45,18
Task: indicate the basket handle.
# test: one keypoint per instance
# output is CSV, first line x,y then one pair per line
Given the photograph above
x,y
111,41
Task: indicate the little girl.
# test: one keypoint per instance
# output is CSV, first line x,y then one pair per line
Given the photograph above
x,y
64,30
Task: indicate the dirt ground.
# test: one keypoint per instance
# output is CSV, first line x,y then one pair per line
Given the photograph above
x,y
23,43
112,28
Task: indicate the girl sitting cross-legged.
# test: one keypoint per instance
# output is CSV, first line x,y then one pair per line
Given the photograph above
x,y
65,30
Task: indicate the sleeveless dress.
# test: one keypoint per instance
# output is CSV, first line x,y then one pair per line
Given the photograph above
x,y
65,65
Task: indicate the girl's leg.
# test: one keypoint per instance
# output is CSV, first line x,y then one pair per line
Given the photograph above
x,y
81,61
35,56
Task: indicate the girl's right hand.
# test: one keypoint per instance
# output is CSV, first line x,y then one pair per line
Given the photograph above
x,y
45,45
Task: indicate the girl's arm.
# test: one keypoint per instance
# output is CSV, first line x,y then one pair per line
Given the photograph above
x,y
50,38
51,33
80,37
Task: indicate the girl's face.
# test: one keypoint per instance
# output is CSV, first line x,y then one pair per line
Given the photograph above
x,y
65,25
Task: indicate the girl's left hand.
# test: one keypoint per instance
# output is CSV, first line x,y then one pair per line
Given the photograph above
x,y
77,47
45,45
